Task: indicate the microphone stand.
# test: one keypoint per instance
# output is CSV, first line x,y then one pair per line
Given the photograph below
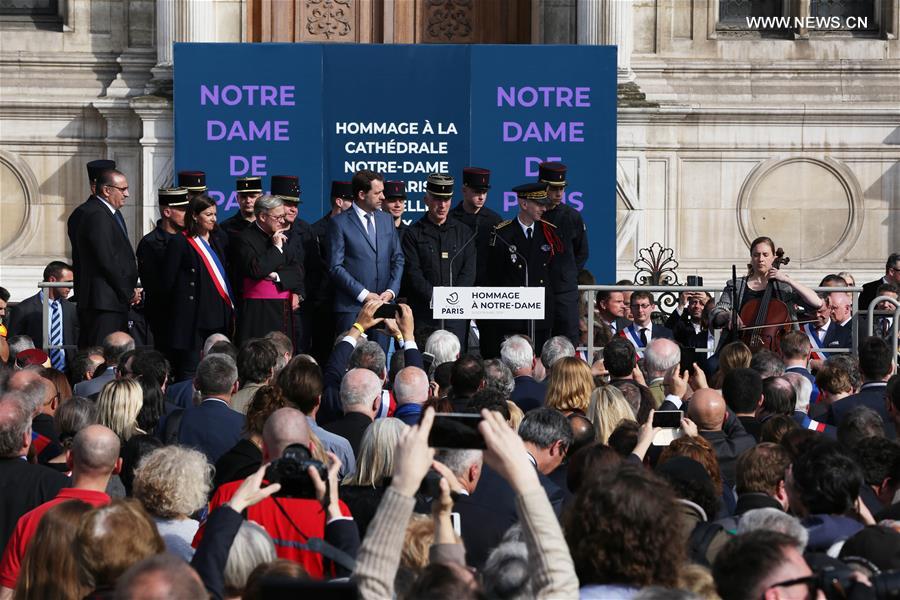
x,y
458,252
514,250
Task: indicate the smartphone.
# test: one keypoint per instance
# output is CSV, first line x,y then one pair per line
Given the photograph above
x,y
427,361
456,430
668,418
387,311
688,358
670,421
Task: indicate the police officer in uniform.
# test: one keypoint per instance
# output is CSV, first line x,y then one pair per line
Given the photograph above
x,y
151,254
248,190
193,181
437,254
474,213
394,204
570,227
525,243
319,290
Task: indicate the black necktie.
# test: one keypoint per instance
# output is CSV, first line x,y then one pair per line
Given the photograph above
x,y
121,220
643,336
528,233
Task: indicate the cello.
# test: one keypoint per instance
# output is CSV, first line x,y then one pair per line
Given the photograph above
x,y
766,319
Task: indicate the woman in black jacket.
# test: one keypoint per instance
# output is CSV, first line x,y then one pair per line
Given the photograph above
x,y
200,299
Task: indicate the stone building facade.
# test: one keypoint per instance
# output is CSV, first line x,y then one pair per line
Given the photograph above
x,y
725,131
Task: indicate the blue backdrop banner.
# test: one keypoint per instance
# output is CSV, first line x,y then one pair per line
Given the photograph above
x,y
323,112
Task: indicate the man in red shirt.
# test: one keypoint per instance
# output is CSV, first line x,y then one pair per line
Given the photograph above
x,y
93,459
291,522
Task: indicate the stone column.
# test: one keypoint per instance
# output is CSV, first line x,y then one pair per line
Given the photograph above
x,y
178,21
608,22
157,155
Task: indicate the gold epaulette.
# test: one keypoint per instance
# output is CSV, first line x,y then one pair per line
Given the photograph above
x,y
502,224
548,223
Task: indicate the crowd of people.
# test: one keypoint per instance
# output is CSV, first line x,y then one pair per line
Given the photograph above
x,y
237,448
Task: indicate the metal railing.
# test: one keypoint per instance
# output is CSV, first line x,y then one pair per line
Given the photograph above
x,y
895,326
45,316
589,295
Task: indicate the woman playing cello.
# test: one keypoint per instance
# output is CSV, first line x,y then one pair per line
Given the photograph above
x,y
762,272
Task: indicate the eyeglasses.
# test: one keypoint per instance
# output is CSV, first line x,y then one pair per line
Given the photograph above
x,y
280,217
121,189
810,581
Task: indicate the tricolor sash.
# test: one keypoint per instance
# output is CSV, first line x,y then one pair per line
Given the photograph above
x,y
631,334
211,261
812,425
814,340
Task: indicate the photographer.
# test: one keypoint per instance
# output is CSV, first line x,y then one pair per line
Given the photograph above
x,y
379,557
293,518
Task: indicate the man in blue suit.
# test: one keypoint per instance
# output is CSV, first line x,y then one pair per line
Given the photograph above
x,y
213,427
364,259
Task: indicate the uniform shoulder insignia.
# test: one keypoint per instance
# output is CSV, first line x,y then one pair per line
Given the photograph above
x,y
502,224
548,223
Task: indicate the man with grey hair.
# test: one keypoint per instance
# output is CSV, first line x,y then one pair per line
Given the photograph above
x,y
93,459
497,376
24,485
268,274
213,427
410,392
18,343
554,349
360,400
517,354
444,345
115,345
465,466
661,356
160,576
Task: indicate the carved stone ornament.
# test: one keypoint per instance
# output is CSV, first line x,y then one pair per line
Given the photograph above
x,y
328,17
449,19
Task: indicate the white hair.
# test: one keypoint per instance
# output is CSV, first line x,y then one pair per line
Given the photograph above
x,y
802,390
411,386
459,461
660,356
359,387
556,348
772,519
252,547
444,346
516,353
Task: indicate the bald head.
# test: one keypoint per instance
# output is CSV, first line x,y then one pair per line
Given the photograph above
x,y
95,450
115,345
660,356
707,409
359,390
284,427
411,386
582,432
160,576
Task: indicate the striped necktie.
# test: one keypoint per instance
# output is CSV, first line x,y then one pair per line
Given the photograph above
x,y
57,355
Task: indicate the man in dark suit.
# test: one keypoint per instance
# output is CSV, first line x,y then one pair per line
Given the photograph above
x,y
364,258
105,269
891,275
644,330
490,510
24,485
875,366
360,401
27,317
611,309
213,427
517,354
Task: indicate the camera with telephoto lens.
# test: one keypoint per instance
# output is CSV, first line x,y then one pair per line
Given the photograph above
x,y
291,472
838,584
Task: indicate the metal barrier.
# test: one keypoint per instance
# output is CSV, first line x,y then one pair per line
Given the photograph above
x,y
46,314
895,326
589,295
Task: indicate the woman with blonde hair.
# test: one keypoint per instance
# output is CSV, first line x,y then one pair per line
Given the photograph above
x,y
363,489
570,385
607,409
118,406
735,355
172,483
